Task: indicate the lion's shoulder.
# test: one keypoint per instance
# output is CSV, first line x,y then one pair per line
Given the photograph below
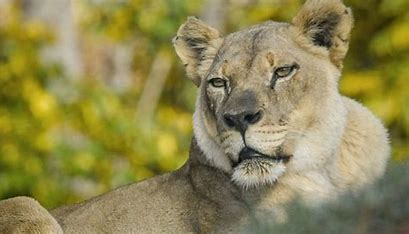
x,y
364,149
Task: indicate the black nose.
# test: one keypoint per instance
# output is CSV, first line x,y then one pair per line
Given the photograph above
x,y
242,120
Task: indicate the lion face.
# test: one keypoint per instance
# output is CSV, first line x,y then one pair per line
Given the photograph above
x,y
253,91
262,90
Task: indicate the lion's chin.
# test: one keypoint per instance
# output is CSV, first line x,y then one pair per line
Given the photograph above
x,y
257,172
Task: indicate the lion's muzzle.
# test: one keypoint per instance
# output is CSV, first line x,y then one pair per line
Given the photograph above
x,y
242,120
242,110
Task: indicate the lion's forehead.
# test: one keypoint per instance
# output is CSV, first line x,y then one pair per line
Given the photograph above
x,y
243,52
249,41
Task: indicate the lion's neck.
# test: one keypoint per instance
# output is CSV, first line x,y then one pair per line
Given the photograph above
x,y
211,151
215,190
210,177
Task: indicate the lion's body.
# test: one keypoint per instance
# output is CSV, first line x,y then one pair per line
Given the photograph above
x,y
195,198
270,126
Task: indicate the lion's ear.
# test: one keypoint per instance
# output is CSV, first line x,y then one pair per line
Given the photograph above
x,y
326,24
197,44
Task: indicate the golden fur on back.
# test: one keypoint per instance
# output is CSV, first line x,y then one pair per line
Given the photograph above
x,y
270,125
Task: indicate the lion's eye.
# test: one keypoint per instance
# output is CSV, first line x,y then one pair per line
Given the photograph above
x,y
284,71
217,82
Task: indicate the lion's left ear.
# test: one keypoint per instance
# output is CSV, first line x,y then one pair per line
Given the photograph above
x,y
326,24
197,44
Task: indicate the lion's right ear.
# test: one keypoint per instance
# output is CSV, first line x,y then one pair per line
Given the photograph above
x,y
197,44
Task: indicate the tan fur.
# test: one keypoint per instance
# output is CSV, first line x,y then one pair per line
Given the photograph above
x,y
206,42
26,215
316,9
330,143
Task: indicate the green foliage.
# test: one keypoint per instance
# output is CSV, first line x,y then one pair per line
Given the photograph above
x,y
377,67
28,112
121,20
63,140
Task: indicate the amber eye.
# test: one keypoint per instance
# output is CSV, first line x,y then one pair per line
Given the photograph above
x,y
217,82
285,71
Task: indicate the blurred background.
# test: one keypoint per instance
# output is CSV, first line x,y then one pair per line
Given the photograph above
x,y
92,95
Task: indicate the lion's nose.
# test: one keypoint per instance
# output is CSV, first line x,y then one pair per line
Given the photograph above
x,y
242,120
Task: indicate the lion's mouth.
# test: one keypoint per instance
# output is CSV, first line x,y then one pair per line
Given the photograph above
x,y
248,153
254,169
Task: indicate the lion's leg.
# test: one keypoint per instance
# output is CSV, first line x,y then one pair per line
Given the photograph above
x,y
26,215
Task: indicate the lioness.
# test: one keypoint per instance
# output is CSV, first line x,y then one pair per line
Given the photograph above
x,y
269,125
